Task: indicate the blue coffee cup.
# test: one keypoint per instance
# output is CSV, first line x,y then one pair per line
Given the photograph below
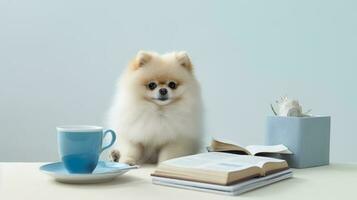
x,y
80,146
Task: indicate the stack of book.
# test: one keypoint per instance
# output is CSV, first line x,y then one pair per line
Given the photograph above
x,y
221,172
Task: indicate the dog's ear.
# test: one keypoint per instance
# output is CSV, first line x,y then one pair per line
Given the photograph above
x,y
142,58
184,60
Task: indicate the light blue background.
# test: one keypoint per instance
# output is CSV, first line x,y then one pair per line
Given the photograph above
x,y
59,61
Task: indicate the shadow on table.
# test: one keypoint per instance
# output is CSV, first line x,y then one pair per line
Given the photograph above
x,y
309,175
276,188
336,167
121,181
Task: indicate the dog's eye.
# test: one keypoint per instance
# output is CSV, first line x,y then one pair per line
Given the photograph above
x,y
172,85
152,85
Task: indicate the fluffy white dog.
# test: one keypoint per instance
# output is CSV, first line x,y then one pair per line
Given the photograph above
x,y
157,109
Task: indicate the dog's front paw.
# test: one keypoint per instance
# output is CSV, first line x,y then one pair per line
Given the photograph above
x,y
128,160
114,155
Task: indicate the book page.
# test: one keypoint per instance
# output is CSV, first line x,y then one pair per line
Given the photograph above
x,y
217,161
224,146
254,160
255,149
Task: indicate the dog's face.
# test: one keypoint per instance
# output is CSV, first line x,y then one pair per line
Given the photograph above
x,y
160,79
162,90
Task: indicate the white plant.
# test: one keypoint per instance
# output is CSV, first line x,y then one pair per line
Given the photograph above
x,y
289,107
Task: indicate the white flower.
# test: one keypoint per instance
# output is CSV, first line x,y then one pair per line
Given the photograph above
x,y
289,107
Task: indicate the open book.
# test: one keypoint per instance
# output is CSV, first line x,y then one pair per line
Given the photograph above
x,y
248,150
219,168
235,189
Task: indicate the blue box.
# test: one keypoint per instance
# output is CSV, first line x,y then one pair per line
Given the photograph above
x,y
307,137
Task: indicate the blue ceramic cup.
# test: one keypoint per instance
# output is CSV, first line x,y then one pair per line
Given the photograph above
x,y
80,147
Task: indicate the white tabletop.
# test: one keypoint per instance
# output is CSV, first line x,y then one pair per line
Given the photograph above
x,y
25,181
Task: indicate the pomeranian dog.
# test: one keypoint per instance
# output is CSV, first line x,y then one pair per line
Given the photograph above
x,y
157,109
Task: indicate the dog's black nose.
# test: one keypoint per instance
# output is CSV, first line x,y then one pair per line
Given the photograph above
x,y
163,91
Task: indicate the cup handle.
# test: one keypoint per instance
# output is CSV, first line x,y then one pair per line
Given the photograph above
x,y
113,138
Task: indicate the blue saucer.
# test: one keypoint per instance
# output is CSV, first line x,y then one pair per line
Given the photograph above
x,y
104,171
